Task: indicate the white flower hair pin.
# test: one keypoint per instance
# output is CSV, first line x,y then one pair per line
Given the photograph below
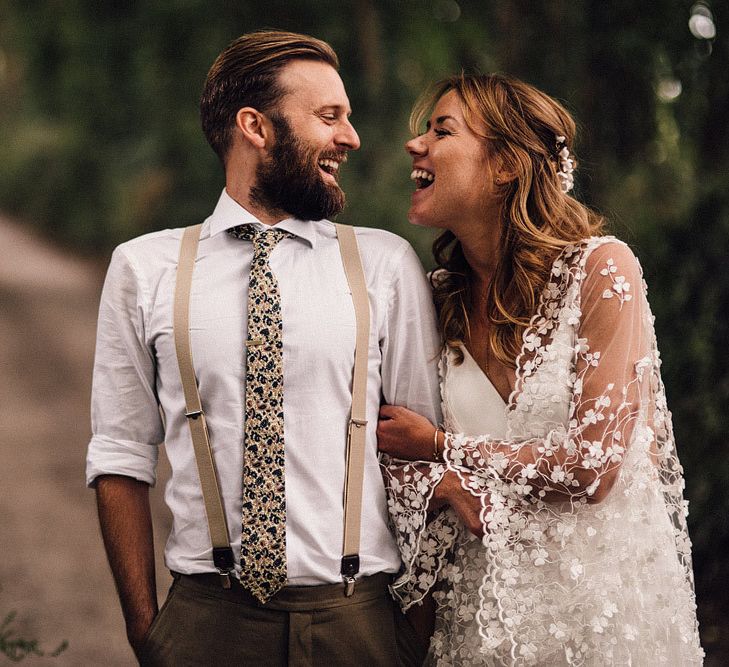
x,y
565,165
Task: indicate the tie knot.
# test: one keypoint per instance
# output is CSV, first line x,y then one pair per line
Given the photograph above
x,y
264,240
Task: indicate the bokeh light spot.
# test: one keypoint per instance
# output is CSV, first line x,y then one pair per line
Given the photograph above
x,y
668,89
701,23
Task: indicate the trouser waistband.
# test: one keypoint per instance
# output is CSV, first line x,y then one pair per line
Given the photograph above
x,y
289,598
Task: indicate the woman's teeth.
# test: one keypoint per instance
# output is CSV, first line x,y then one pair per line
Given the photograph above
x,y
422,178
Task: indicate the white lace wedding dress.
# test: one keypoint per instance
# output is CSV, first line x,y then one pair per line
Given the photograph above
x,y
558,579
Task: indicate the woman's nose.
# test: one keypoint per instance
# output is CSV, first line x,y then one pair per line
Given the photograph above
x,y
416,147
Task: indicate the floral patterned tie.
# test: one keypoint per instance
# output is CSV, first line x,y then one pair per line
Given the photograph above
x,y
263,536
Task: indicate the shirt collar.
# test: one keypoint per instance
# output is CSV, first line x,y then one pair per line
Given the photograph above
x,y
229,213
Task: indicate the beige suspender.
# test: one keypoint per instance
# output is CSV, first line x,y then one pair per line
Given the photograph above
x,y
356,432
214,508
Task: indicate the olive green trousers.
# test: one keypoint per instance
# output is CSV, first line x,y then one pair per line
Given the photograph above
x,y
202,623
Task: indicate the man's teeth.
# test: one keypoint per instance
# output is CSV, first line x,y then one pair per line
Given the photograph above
x,y
330,164
421,174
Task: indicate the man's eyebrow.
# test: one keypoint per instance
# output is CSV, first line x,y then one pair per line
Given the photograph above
x,y
335,107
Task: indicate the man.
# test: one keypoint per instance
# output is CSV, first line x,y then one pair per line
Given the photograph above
x,y
275,111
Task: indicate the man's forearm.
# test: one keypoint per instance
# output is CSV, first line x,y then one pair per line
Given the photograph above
x,y
126,526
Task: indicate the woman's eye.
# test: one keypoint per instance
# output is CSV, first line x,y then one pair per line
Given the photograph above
x,y
441,133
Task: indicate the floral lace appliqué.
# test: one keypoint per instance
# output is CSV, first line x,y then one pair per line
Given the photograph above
x,y
620,287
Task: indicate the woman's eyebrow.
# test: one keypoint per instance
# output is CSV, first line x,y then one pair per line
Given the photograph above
x,y
439,121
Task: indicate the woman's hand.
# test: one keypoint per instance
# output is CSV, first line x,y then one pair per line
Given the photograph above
x,y
404,434
467,506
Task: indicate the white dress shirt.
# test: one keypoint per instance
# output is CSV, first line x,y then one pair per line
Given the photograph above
x,y
137,399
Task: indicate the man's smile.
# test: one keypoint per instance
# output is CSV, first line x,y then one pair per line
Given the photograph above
x,y
330,167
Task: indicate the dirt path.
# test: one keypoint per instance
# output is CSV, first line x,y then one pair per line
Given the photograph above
x,y
53,570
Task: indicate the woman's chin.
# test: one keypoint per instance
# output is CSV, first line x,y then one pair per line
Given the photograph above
x,y
415,219
420,218
417,216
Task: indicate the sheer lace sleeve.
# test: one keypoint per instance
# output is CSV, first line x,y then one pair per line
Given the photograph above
x,y
578,461
424,537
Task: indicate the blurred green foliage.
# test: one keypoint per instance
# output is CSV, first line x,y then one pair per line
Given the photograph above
x,y
16,649
101,142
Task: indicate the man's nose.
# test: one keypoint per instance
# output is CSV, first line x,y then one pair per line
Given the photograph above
x,y
347,136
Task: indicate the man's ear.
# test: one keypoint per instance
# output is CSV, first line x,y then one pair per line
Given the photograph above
x,y
252,126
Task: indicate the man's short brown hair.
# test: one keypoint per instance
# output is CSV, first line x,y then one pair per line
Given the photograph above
x,y
245,74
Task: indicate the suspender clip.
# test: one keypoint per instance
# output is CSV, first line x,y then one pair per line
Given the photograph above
x,y
350,567
358,422
193,414
224,563
224,579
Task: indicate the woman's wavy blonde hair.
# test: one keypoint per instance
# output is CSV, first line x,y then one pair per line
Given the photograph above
x,y
519,125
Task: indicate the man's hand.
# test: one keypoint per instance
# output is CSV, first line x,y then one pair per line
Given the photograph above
x,y
468,507
126,526
404,434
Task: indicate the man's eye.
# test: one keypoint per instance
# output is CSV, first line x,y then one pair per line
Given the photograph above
x,y
329,116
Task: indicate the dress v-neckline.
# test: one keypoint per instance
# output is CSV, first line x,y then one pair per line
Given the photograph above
x,y
467,356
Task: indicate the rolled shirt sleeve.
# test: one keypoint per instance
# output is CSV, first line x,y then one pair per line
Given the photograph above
x,y
125,418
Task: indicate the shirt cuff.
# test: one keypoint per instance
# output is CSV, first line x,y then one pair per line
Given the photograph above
x,y
121,457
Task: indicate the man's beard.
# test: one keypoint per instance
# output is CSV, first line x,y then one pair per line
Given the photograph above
x,y
288,180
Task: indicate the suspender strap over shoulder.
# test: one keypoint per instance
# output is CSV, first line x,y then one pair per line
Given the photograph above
x,y
357,431
222,552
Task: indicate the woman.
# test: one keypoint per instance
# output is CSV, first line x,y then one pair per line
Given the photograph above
x,y
547,517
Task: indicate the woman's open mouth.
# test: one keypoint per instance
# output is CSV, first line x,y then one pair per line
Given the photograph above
x,y
423,179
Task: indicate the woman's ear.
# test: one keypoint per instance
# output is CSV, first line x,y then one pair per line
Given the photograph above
x,y
502,173
252,126
502,177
